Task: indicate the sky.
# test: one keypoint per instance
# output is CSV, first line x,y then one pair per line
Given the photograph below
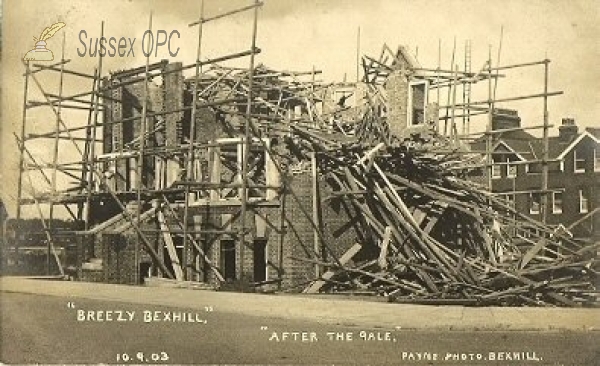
x,y
297,35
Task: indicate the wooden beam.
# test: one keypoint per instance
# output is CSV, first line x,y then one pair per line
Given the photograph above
x,y
387,237
344,259
164,227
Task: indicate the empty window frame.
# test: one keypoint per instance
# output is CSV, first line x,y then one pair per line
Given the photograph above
x,y
228,259
417,100
344,98
261,166
260,260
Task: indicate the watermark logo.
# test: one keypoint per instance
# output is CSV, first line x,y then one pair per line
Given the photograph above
x,y
124,47
40,52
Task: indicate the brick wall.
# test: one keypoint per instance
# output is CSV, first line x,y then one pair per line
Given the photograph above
x,y
173,99
117,250
299,242
397,95
118,259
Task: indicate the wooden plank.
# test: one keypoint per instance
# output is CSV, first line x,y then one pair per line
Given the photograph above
x,y
344,259
382,261
102,226
195,243
419,215
411,287
273,177
215,171
316,205
368,216
128,225
170,246
532,252
487,241
434,219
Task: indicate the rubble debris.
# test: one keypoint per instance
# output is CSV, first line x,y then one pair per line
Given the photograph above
x,y
442,239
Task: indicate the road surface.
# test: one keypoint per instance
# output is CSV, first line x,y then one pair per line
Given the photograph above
x,y
49,329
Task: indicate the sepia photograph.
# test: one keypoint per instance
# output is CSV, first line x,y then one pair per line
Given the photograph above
x,y
314,182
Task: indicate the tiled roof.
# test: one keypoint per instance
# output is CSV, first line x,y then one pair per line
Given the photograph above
x,y
529,146
594,131
520,141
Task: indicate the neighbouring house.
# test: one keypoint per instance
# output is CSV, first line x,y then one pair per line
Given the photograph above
x,y
573,172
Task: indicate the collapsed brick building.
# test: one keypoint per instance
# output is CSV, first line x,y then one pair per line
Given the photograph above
x,y
276,231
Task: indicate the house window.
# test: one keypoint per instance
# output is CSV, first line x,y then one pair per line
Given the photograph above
x,y
579,162
496,171
500,166
584,201
534,203
557,202
555,166
417,100
534,168
511,171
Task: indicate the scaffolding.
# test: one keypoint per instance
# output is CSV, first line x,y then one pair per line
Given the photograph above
x,y
142,154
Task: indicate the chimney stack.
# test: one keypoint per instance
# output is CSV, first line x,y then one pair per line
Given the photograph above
x,y
505,118
567,130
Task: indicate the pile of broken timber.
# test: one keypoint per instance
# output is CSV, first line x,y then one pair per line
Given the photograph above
x,y
426,236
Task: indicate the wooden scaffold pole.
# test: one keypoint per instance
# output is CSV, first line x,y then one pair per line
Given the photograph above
x,y
85,169
21,158
190,154
488,129
92,166
246,146
55,151
140,162
91,134
545,153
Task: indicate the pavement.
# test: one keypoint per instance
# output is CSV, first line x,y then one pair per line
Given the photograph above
x,y
343,311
